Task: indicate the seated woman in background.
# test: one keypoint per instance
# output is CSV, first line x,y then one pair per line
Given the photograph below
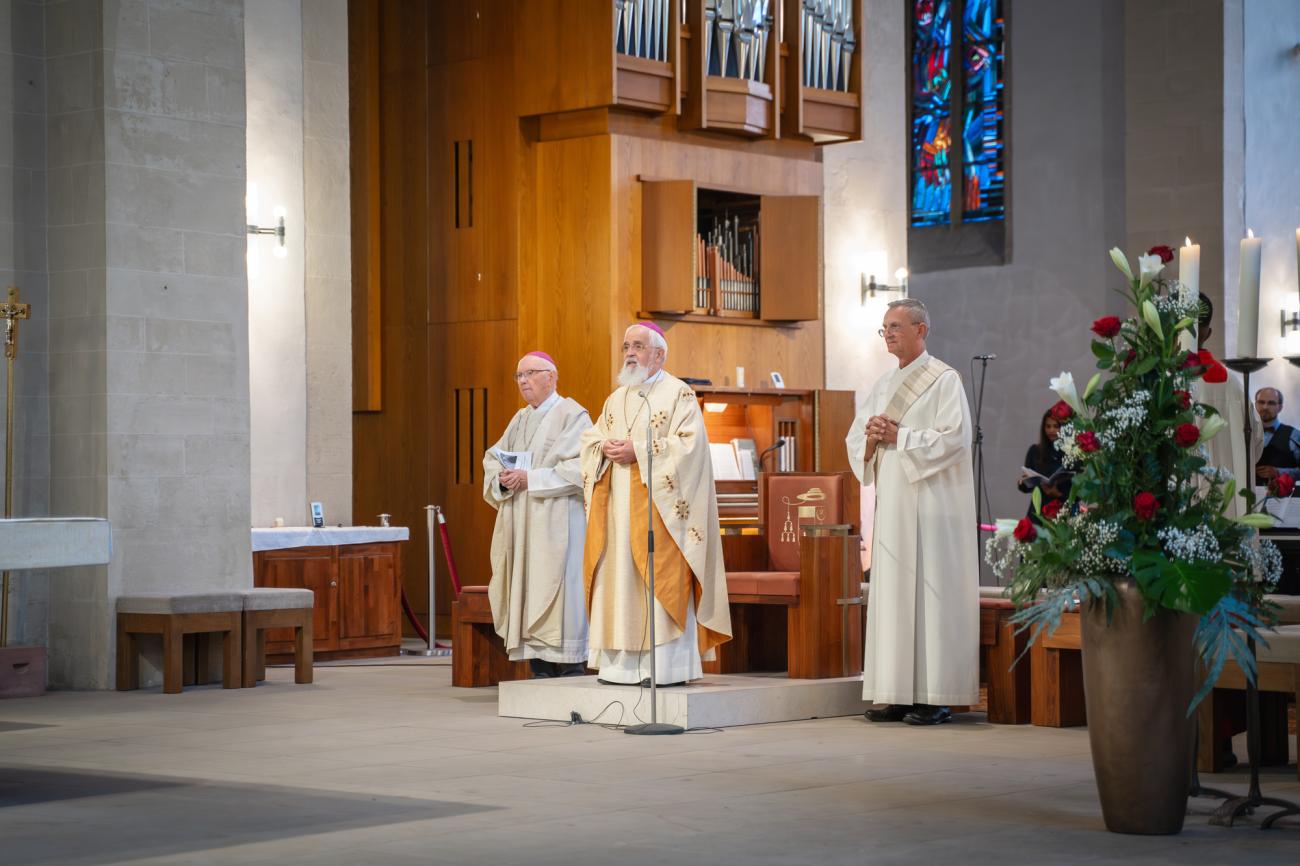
x,y
1043,462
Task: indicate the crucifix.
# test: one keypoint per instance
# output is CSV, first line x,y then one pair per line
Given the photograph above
x,y
12,310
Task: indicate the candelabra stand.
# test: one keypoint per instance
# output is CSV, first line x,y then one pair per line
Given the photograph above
x,y
1238,806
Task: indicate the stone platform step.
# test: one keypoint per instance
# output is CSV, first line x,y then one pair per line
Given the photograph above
x,y
717,701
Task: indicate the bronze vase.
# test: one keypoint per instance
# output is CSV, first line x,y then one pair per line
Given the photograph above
x,y
1139,678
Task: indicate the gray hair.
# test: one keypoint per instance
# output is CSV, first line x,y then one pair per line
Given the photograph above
x,y
915,310
656,339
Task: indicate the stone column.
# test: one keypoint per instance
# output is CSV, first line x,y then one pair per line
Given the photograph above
x,y
149,326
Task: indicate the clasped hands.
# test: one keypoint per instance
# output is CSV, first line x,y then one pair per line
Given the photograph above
x,y
619,450
514,479
881,429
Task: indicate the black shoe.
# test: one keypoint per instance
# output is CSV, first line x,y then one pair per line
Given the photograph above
x,y
926,714
576,669
542,670
889,713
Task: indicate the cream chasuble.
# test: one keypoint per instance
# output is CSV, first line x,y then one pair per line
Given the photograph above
x,y
691,611
922,640
536,588
1228,448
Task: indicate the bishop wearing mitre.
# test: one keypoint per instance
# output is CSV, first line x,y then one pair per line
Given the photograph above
x,y
911,439
531,477
690,599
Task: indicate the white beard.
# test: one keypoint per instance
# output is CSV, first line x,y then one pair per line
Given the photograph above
x,y
630,377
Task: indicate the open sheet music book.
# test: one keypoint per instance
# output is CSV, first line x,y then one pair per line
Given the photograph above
x,y
515,459
1036,479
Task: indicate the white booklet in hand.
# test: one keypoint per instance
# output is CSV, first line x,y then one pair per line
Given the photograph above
x,y
1034,479
515,459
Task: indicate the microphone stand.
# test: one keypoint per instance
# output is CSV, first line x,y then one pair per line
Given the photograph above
x,y
980,494
654,727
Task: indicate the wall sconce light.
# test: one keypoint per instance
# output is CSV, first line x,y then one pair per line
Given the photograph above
x,y
870,286
277,230
1290,322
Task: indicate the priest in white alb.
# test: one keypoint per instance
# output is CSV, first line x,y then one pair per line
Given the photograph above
x,y
911,439
531,476
690,603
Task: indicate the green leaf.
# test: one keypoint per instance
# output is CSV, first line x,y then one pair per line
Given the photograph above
x,y
1037,498
1256,519
1195,587
1144,365
1092,385
1102,349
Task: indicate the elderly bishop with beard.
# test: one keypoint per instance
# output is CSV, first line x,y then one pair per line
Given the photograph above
x,y
536,587
690,603
912,440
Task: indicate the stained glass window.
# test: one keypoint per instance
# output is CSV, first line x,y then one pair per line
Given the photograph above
x,y
973,145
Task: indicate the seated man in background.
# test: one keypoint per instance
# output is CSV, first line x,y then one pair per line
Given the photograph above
x,y
1281,452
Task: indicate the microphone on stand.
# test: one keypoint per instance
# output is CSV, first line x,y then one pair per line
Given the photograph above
x,y
984,358
654,726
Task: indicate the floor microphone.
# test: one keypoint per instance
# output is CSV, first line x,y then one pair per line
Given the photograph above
x,y
985,358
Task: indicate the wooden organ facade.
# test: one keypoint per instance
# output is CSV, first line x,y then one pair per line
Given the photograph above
x,y
527,174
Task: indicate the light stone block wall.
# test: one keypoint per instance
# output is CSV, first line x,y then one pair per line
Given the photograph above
x,y
329,262
1271,200
1176,134
277,314
22,263
149,317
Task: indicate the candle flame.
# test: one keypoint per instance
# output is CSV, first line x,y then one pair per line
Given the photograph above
x,y
1250,233
1187,242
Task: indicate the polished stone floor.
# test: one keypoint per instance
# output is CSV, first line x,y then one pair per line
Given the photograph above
x,y
378,764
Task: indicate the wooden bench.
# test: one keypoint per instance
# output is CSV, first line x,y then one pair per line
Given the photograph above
x,y
1056,676
172,616
268,608
1278,680
478,656
1008,683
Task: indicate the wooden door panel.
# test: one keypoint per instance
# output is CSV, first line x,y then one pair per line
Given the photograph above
x,y
369,600
790,257
302,568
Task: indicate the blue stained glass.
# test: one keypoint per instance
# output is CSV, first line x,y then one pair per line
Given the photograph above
x,y
931,112
983,133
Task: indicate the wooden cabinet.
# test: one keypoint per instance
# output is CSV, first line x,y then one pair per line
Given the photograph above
x,y
675,279
358,597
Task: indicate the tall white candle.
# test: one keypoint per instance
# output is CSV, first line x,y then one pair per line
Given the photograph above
x,y
1248,298
1189,277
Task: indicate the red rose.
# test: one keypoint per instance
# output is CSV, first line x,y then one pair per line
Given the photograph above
x,y
1215,373
1025,531
1053,508
1281,486
1145,505
1062,411
1166,253
1129,358
1187,435
1106,327
1184,398
1087,441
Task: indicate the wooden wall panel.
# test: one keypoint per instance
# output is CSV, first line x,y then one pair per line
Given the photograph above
x,y
363,110
390,471
566,61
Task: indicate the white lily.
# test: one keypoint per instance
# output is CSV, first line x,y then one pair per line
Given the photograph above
x,y
1148,267
1152,318
1211,426
1063,385
1255,519
1121,261
1006,526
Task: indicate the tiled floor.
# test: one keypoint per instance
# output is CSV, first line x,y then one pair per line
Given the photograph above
x,y
389,764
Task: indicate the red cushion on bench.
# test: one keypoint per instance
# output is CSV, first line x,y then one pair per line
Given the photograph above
x,y
480,588
763,582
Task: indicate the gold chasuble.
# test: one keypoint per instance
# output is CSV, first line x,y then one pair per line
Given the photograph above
x,y
690,578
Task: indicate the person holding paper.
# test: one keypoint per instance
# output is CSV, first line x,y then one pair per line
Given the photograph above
x,y
690,600
1042,469
531,477
912,439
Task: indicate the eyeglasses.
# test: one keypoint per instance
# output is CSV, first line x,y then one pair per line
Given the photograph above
x,y
894,328
528,374
636,347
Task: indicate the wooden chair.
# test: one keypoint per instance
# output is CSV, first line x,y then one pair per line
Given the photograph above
x,y
1000,646
172,616
266,608
478,656
798,608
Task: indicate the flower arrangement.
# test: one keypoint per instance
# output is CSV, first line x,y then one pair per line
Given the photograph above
x,y
1145,503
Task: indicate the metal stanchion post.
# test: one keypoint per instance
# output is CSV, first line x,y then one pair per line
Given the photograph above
x,y
431,529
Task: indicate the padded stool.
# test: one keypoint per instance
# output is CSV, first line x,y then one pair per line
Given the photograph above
x,y
274,607
173,616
